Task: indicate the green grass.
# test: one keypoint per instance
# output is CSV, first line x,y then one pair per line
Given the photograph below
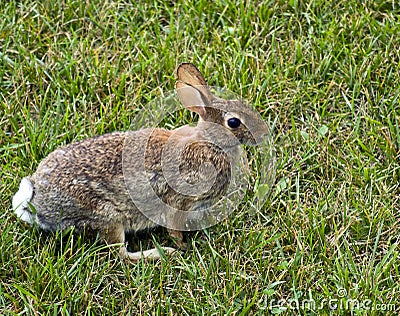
x,y
326,71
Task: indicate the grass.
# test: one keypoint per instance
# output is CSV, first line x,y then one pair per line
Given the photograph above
x,y
326,71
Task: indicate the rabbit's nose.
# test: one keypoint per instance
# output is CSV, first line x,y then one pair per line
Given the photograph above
x,y
258,133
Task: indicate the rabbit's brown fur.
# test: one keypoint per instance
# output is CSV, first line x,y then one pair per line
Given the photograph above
x,y
83,184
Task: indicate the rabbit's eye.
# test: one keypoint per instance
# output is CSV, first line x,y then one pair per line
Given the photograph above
x,y
234,122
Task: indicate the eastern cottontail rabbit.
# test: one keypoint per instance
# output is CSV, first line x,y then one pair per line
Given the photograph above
x,y
84,184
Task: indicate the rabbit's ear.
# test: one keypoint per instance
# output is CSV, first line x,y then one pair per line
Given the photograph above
x,y
192,98
189,74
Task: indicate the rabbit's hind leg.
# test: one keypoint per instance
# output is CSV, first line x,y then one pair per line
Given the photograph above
x,y
116,235
147,255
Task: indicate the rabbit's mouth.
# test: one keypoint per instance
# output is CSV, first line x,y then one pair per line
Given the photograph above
x,y
251,139
255,141
250,142
258,134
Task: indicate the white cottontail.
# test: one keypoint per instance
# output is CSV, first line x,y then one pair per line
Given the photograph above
x,y
87,184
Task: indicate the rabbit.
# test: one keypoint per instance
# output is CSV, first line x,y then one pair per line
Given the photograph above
x,y
83,184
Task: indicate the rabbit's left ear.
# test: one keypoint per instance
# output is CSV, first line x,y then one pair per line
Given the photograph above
x,y
192,89
192,98
189,74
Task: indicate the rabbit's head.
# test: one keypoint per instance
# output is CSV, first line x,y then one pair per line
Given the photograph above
x,y
244,123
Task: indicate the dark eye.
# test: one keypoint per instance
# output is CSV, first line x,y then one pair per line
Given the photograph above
x,y
234,122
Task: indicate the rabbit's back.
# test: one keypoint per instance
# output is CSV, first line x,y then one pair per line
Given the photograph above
x,y
82,185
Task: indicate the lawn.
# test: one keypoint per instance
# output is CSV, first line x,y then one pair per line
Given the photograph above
x,y
325,74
